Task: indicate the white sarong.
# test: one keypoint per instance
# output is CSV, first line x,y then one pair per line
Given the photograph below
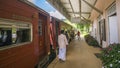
x,y
62,54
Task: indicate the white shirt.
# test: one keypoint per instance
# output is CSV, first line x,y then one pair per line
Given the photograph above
x,y
62,41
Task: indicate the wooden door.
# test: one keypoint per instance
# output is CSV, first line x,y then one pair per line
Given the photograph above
x,y
113,29
41,32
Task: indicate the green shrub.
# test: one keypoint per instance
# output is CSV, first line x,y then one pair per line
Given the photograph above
x,y
111,56
91,41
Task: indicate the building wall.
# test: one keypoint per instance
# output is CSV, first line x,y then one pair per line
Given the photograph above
x,y
118,16
94,25
101,5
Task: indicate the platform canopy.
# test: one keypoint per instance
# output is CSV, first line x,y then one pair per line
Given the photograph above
x,y
75,10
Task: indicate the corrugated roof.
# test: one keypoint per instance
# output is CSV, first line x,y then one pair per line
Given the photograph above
x,y
74,8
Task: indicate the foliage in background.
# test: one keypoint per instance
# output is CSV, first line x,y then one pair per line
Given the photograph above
x,y
83,27
111,56
91,41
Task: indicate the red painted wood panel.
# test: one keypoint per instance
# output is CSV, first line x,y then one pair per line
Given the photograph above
x,y
25,56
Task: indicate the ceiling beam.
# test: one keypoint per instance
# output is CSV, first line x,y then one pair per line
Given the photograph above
x,y
95,2
93,7
86,20
81,12
80,9
59,6
72,7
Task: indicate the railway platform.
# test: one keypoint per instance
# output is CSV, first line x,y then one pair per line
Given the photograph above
x,y
79,55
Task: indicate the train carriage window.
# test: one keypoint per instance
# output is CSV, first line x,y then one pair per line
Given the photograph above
x,y
14,32
23,35
6,37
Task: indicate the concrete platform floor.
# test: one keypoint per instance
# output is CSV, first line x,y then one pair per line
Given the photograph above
x,y
79,55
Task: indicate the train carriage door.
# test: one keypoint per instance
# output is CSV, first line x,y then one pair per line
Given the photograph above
x,y
41,37
57,31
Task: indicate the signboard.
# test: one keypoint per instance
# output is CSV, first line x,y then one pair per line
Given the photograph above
x,y
75,20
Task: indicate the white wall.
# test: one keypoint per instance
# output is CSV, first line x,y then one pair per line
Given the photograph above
x,y
118,17
101,5
94,29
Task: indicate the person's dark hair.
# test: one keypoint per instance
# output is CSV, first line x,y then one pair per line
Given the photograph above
x,y
62,31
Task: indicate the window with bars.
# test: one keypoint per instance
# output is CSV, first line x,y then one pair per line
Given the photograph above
x,y
14,32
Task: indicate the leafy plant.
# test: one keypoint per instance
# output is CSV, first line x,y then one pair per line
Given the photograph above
x,y
91,41
111,56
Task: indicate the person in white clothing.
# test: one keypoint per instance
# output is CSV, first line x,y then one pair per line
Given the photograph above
x,y
62,42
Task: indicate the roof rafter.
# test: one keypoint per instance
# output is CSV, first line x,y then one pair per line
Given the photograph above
x,y
84,18
72,7
80,9
58,5
93,7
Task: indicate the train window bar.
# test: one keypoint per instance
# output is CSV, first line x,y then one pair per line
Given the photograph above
x,y
14,33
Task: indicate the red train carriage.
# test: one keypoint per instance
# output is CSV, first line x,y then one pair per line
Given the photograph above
x,y
24,34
